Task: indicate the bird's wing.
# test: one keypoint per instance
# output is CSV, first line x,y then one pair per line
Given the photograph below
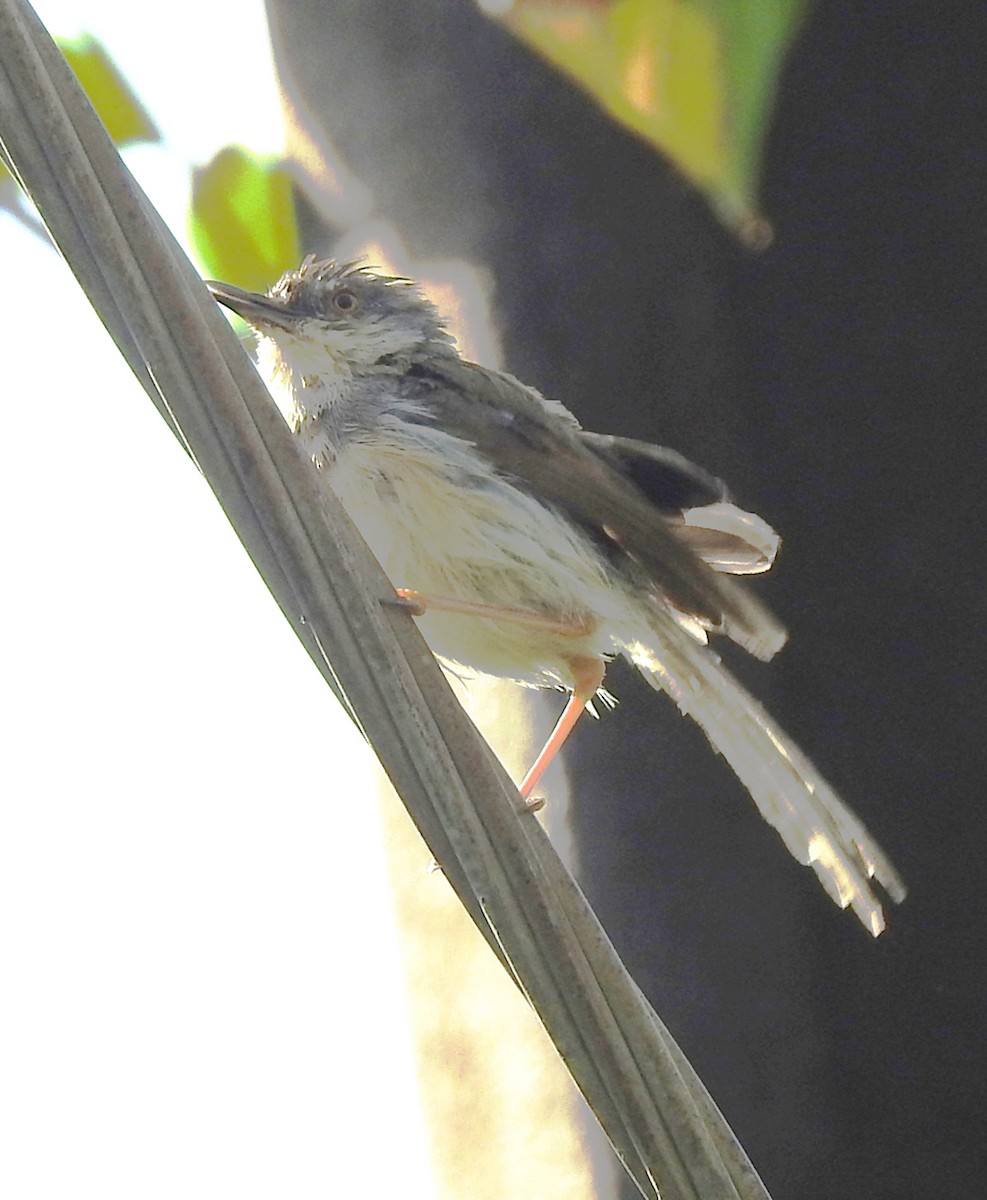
x,y
521,436
669,480
697,505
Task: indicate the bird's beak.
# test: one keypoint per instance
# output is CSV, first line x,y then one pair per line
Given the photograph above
x,y
259,310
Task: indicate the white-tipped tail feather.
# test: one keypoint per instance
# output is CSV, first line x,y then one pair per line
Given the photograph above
x,y
729,539
816,826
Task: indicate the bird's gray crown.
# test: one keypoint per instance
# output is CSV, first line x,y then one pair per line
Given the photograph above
x,y
351,295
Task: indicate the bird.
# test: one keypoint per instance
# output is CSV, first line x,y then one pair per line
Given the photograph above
x,y
533,550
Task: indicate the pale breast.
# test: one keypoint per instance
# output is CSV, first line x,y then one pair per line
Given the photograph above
x,y
441,522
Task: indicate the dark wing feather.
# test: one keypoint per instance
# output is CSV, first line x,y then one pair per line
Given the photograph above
x,y
669,480
520,438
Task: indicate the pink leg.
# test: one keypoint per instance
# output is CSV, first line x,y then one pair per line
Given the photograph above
x,y
588,674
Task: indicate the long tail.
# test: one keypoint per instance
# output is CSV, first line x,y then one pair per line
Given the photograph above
x,y
814,823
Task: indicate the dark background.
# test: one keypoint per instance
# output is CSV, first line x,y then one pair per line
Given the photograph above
x,y
838,382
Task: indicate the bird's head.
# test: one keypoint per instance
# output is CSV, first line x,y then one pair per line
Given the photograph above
x,y
327,315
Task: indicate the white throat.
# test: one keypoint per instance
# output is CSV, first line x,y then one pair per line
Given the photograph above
x,y
303,375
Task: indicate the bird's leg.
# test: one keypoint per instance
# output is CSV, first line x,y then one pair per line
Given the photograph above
x,y
587,672
418,603
588,676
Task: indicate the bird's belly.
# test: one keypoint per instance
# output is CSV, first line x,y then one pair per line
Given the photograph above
x,y
445,526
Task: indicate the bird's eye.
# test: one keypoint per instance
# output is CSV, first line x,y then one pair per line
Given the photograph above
x,y
345,301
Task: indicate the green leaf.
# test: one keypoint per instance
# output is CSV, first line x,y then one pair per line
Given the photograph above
x,y
124,116
115,102
243,222
696,78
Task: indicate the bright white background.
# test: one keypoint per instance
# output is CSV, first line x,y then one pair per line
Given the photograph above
x,y
190,954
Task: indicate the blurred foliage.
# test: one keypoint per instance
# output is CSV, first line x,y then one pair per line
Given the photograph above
x,y
696,78
242,221
118,107
124,116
